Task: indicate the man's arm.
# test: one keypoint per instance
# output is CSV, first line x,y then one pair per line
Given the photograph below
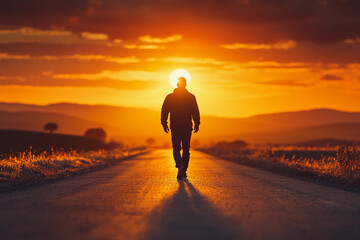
x,y
196,115
165,113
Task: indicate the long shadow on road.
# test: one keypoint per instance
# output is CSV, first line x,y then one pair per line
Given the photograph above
x,y
188,215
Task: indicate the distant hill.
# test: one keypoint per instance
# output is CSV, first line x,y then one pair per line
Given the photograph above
x,y
12,141
35,121
140,123
306,118
129,122
345,131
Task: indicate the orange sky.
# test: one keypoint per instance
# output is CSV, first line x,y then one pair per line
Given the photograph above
x,y
245,57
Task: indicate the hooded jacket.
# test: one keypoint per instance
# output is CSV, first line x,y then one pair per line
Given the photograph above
x,y
183,108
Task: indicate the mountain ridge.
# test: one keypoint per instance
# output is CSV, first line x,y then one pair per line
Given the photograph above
x,y
148,109
144,123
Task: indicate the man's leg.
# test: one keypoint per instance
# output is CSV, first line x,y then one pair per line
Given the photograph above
x,y
185,139
176,139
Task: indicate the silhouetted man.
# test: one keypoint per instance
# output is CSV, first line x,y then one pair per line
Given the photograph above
x,y
183,108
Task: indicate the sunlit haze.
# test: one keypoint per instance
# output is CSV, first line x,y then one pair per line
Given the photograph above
x,y
176,74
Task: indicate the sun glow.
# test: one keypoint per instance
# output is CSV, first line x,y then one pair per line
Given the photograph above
x,y
174,76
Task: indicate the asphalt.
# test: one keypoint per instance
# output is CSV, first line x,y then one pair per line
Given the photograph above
x,y
142,199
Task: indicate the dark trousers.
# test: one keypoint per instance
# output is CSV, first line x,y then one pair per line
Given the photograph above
x,y
181,139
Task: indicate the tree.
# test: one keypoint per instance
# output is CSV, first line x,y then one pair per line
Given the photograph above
x,y
51,127
150,141
96,133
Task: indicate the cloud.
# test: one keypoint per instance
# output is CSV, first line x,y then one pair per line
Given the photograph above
x,y
274,64
27,31
351,41
330,77
149,39
118,41
94,36
5,56
285,82
134,46
236,65
248,21
211,61
34,35
105,58
47,81
278,46
126,75
123,60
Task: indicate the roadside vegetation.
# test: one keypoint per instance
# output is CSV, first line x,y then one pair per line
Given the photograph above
x,y
339,164
27,168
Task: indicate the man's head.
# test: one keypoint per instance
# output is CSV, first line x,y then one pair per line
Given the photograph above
x,y
181,82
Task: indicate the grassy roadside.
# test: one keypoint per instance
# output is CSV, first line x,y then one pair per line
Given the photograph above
x,y
342,170
27,169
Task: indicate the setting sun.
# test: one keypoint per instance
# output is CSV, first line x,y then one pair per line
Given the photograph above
x,y
174,76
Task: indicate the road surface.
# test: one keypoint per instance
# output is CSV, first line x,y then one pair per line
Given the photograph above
x,y
141,199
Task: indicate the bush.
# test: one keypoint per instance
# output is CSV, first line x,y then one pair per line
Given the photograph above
x,y
96,133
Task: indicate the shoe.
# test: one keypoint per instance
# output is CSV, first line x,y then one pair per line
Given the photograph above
x,y
181,173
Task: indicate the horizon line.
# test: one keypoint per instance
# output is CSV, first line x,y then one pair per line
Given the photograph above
x,y
150,109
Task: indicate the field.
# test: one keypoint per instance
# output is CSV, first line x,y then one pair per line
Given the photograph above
x,y
29,157
28,168
339,165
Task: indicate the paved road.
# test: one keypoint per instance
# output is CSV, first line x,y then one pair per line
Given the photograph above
x,y
141,199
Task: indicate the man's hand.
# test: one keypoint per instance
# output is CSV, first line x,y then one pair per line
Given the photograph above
x,y
196,129
166,128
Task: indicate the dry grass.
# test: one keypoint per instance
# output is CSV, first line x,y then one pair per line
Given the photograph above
x,y
343,166
28,168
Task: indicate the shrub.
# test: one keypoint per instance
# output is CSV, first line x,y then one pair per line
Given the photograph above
x,y
96,133
51,127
